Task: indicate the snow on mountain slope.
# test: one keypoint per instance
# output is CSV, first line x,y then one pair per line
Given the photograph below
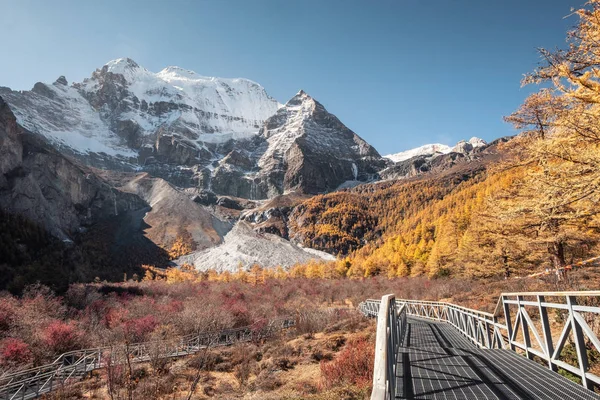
x,y
435,149
201,105
123,107
420,151
236,97
477,142
301,148
302,135
61,114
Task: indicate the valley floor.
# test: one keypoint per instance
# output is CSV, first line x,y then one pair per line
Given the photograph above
x,y
327,355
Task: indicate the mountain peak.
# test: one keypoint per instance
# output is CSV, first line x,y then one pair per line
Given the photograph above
x,y
178,72
61,81
120,65
300,98
477,142
125,67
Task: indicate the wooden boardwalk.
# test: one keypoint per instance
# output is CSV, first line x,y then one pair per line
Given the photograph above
x,y
435,361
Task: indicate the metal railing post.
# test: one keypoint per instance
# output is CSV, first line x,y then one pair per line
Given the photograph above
x,y
547,332
507,320
582,357
524,327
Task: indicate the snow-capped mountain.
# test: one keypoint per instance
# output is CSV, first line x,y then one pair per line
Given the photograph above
x,y
427,149
437,149
302,147
124,108
433,158
196,131
198,107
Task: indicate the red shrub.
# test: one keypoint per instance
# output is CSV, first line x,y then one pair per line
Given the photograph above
x,y
14,352
114,316
175,306
237,307
61,337
7,313
137,330
353,365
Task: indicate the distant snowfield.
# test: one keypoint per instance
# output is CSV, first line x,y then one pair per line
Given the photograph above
x,y
83,144
223,137
242,245
432,149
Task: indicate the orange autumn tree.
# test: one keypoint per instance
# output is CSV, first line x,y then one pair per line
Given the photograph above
x,y
553,207
183,244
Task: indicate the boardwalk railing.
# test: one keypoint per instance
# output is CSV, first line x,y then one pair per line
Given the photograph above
x,y
480,327
31,383
522,322
528,329
391,327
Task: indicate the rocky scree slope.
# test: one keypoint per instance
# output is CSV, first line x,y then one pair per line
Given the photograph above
x,y
243,246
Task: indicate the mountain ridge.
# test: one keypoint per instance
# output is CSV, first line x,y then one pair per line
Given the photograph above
x,y
223,135
434,149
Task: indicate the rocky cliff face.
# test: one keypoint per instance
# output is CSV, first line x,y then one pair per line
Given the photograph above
x,y
39,183
310,149
301,148
11,147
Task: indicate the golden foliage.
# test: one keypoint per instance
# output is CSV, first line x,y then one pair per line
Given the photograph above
x,y
536,209
183,244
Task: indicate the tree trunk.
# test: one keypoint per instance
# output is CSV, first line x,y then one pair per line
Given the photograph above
x,y
557,254
506,267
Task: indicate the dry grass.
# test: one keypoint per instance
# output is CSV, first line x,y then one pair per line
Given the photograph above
x,y
286,367
289,366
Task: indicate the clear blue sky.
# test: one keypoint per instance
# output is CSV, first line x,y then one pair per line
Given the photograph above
x,y
400,73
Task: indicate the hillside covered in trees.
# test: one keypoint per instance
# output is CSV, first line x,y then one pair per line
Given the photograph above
x,y
534,206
